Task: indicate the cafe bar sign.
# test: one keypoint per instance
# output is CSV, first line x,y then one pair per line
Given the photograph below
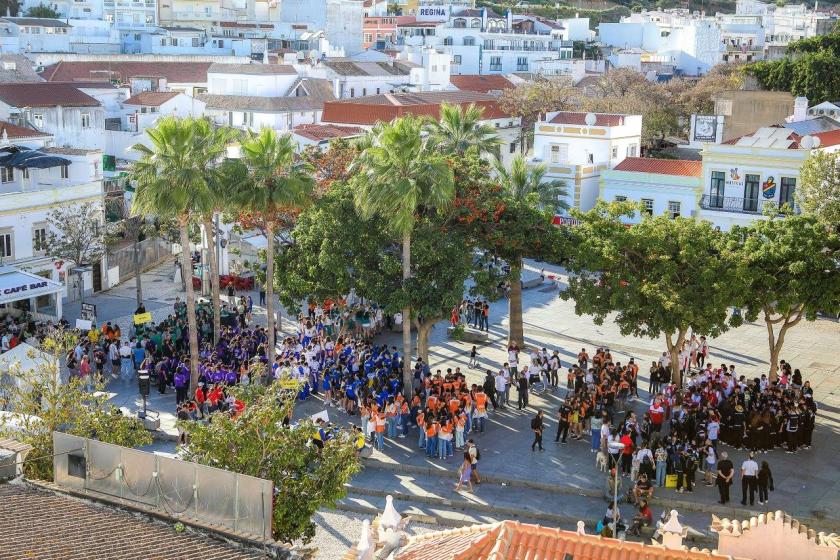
x,y
25,287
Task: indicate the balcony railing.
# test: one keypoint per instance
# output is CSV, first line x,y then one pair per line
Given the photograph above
x,y
735,204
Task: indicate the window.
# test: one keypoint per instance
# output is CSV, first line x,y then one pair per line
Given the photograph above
x,y
85,120
65,171
496,63
38,120
620,198
456,59
559,153
39,237
25,173
368,38
716,189
673,209
513,147
614,152
647,206
447,42
6,246
7,174
631,150
352,92
195,42
522,63
469,41
751,190
787,188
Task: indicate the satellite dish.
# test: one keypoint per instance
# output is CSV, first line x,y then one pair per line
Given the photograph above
x,y
816,140
807,142
590,119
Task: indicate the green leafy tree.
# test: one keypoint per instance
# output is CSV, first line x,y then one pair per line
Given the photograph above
x,y
525,186
810,68
257,443
400,175
43,404
661,277
789,271
460,129
42,11
171,182
533,99
277,186
818,192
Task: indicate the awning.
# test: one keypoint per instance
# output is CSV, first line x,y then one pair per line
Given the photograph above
x,y
16,285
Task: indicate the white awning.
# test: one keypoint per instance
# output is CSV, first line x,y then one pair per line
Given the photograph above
x,y
16,285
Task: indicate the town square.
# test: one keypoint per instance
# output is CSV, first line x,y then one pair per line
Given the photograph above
x,y
321,280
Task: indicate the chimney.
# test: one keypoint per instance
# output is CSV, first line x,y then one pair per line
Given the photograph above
x,y
800,109
336,88
672,532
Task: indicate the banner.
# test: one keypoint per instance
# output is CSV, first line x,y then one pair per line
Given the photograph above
x,y
142,318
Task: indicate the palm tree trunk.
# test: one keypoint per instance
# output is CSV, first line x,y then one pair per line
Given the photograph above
x,y
210,235
138,284
186,271
269,298
516,332
408,377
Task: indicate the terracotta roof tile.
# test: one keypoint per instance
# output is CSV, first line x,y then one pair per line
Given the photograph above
x,y
44,94
174,72
662,166
40,524
481,83
320,132
15,132
512,540
150,98
602,119
830,138
375,108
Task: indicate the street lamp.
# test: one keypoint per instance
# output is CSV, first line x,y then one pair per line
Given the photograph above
x,y
615,447
144,380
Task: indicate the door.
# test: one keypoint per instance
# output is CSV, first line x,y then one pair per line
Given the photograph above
x,y
751,190
97,276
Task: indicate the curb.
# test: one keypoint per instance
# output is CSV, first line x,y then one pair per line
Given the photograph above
x,y
447,522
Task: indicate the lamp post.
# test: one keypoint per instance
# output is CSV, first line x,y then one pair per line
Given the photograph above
x,y
144,380
615,447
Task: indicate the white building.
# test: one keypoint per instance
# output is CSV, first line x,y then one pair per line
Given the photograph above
x,y
691,44
29,191
660,186
71,116
251,96
578,147
743,37
340,20
28,35
784,24
483,42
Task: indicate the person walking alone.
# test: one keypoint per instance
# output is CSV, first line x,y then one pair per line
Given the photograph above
x,y
725,472
537,428
465,472
749,479
765,483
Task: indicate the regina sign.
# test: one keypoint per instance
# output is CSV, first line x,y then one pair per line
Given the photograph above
x,y
433,13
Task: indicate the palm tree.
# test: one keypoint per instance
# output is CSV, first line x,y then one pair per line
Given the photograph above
x,y
277,183
398,174
211,142
171,183
525,183
460,129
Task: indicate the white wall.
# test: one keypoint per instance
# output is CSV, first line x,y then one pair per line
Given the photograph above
x,y
662,189
247,84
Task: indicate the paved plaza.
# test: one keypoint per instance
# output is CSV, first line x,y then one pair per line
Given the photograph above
x,y
562,484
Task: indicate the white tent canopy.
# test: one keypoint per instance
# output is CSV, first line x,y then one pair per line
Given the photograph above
x,y
16,285
24,357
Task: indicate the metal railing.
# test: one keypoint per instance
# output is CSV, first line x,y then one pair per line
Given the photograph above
x,y
152,252
736,204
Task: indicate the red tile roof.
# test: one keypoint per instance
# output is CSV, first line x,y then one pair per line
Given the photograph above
x,y
174,72
512,540
14,132
683,167
41,524
320,132
601,119
385,108
150,98
481,83
45,94
830,138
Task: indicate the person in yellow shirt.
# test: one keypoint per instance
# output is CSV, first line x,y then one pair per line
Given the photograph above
x,y
93,335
